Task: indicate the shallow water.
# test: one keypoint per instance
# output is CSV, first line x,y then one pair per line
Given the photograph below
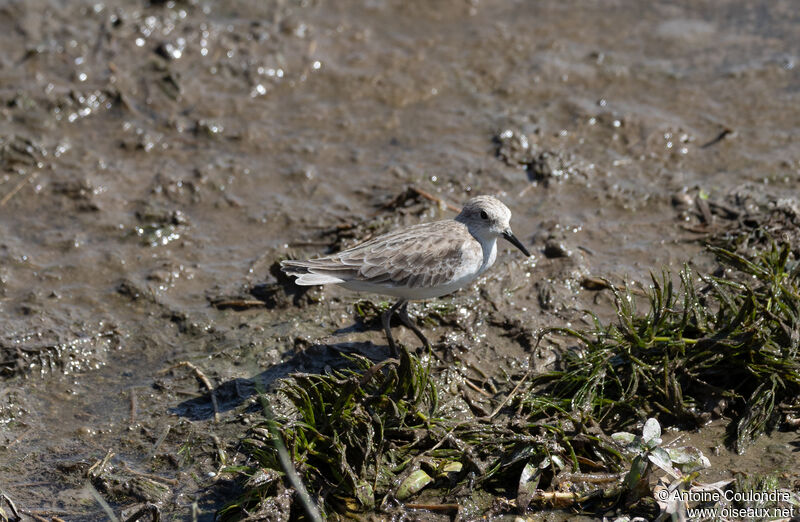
x,y
155,156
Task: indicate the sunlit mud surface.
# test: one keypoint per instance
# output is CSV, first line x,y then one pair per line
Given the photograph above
x,y
157,158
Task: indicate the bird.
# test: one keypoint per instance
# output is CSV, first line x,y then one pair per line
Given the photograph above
x,y
418,262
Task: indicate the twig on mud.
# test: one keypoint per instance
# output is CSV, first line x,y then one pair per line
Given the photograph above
x,y
159,441
433,507
477,389
238,304
150,508
100,464
103,504
11,505
510,395
223,458
17,188
203,379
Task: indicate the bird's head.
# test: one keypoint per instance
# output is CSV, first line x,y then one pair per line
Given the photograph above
x,y
487,217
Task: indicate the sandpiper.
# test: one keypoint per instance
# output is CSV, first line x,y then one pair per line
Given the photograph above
x,y
418,262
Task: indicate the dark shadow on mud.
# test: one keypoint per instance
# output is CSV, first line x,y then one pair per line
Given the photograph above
x,y
318,358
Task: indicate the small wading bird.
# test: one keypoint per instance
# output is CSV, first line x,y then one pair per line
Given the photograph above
x,y
418,262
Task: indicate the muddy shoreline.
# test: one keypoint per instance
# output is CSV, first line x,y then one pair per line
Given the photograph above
x,y
157,158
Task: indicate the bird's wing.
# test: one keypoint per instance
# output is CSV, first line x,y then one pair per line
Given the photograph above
x,y
421,256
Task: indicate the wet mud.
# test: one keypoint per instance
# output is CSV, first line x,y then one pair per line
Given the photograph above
x,y
157,159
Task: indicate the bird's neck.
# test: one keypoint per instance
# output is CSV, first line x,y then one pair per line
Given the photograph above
x,y
489,252
488,243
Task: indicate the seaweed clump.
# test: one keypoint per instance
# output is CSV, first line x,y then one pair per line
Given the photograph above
x,y
720,344
373,436
345,430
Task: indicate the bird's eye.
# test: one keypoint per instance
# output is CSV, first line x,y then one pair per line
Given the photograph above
x,y
484,215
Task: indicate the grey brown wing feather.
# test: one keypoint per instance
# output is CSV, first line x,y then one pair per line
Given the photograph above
x,y
418,257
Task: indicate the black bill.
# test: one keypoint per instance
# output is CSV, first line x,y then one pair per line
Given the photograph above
x,y
516,242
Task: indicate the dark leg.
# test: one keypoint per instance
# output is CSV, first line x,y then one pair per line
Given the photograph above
x,y
402,313
386,319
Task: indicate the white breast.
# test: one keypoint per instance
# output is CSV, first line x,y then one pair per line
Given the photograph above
x,y
473,263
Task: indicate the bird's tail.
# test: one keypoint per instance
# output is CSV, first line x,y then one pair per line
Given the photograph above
x,y
306,275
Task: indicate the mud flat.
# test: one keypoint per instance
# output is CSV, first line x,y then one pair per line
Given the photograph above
x,y
158,158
